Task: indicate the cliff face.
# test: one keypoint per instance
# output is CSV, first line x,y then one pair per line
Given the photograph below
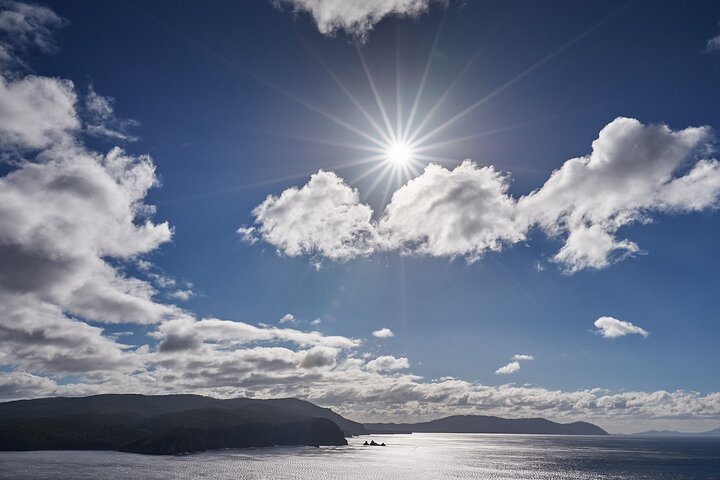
x,y
313,432
160,425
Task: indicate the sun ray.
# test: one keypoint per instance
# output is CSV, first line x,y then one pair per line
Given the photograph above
x,y
320,141
376,94
423,79
368,172
223,59
435,158
378,179
523,74
398,89
347,93
441,99
355,163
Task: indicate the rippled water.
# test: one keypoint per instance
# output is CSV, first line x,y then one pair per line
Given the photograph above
x,y
417,456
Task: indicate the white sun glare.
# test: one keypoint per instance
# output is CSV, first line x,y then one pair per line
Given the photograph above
x,y
399,153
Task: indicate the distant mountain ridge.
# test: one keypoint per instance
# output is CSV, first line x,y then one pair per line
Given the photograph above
x,y
172,424
671,433
489,424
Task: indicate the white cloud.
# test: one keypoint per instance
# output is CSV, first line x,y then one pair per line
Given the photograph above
x,y
386,363
511,367
460,212
69,220
316,322
520,357
101,119
713,44
634,171
183,295
63,217
356,17
383,333
36,112
514,365
287,318
324,217
610,327
232,333
24,26
318,357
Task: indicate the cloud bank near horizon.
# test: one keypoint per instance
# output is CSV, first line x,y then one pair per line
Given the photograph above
x,y
633,172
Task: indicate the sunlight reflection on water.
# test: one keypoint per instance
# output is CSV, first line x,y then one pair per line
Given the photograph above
x,y
418,456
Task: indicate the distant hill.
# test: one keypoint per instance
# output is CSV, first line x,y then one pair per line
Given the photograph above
x,y
672,433
167,424
153,405
488,424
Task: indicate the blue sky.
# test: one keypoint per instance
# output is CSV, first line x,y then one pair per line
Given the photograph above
x,y
236,105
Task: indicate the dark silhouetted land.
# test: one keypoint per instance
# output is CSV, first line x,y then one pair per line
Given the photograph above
x,y
175,424
488,424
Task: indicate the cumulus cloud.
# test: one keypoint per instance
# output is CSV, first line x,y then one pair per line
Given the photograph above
x,y
287,318
318,357
39,337
383,333
610,327
356,17
514,365
463,212
70,218
61,219
24,26
511,367
633,172
36,112
324,217
183,295
387,362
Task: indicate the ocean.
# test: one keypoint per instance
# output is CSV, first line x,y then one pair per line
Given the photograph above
x,y
406,457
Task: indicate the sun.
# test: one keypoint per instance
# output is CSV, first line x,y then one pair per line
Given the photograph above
x,y
399,153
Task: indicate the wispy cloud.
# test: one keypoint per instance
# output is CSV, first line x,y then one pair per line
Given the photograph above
x,y
610,327
102,121
713,44
25,26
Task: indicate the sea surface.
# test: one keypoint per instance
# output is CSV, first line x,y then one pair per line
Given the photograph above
x,y
407,457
